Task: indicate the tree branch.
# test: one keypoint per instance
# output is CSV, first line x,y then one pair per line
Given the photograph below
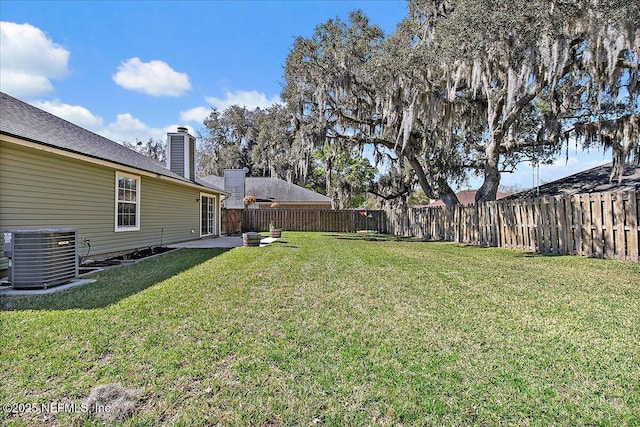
x,y
390,196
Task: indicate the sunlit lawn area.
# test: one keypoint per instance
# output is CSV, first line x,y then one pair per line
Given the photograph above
x,y
321,329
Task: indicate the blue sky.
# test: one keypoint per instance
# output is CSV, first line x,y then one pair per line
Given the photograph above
x,y
135,69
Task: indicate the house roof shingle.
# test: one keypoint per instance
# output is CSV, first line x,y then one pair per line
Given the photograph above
x,y
593,180
22,120
274,189
278,190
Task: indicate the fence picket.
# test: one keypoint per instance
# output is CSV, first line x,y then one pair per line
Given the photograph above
x,y
531,225
632,227
518,226
607,226
619,226
597,224
576,210
604,225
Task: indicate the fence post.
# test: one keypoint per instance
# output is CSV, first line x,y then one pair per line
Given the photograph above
x,y
619,215
633,213
598,224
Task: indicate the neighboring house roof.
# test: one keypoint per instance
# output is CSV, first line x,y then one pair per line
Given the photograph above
x,y
274,190
24,121
466,197
594,180
278,190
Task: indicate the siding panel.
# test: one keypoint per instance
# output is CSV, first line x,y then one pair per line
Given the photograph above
x,y
177,154
39,189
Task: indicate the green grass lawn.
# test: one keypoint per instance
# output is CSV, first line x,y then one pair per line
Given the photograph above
x,y
321,329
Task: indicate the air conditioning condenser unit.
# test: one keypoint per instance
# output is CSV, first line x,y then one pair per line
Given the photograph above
x,y
41,258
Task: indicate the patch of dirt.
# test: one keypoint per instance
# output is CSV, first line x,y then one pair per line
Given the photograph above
x,y
96,265
144,253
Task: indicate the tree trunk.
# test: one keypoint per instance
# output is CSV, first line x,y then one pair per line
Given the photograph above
x,y
422,177
444,192
329,184
449,197
495,107
489,188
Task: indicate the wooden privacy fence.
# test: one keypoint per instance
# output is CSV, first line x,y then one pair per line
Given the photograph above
x,y
346,221
602,225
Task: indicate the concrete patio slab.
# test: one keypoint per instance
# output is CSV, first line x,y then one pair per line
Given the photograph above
x,y
267,240
210,242
218,242
11,291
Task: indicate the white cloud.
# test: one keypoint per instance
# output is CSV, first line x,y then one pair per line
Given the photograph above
x,y
248,99
125,128
197,114
155,78
74,113
128,128
131,129
29,60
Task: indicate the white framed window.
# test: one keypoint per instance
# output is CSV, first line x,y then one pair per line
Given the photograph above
x,y
127,208
208,223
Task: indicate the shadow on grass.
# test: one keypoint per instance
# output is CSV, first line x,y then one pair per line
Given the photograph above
x,y
285,244
520,253
115,284
378,238
527,253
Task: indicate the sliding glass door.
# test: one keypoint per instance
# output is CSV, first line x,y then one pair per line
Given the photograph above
x,y
207,215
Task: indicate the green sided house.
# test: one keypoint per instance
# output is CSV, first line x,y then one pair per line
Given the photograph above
x,y
56,175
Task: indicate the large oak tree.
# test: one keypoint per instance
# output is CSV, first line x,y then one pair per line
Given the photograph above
x,y
513,55
471,85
